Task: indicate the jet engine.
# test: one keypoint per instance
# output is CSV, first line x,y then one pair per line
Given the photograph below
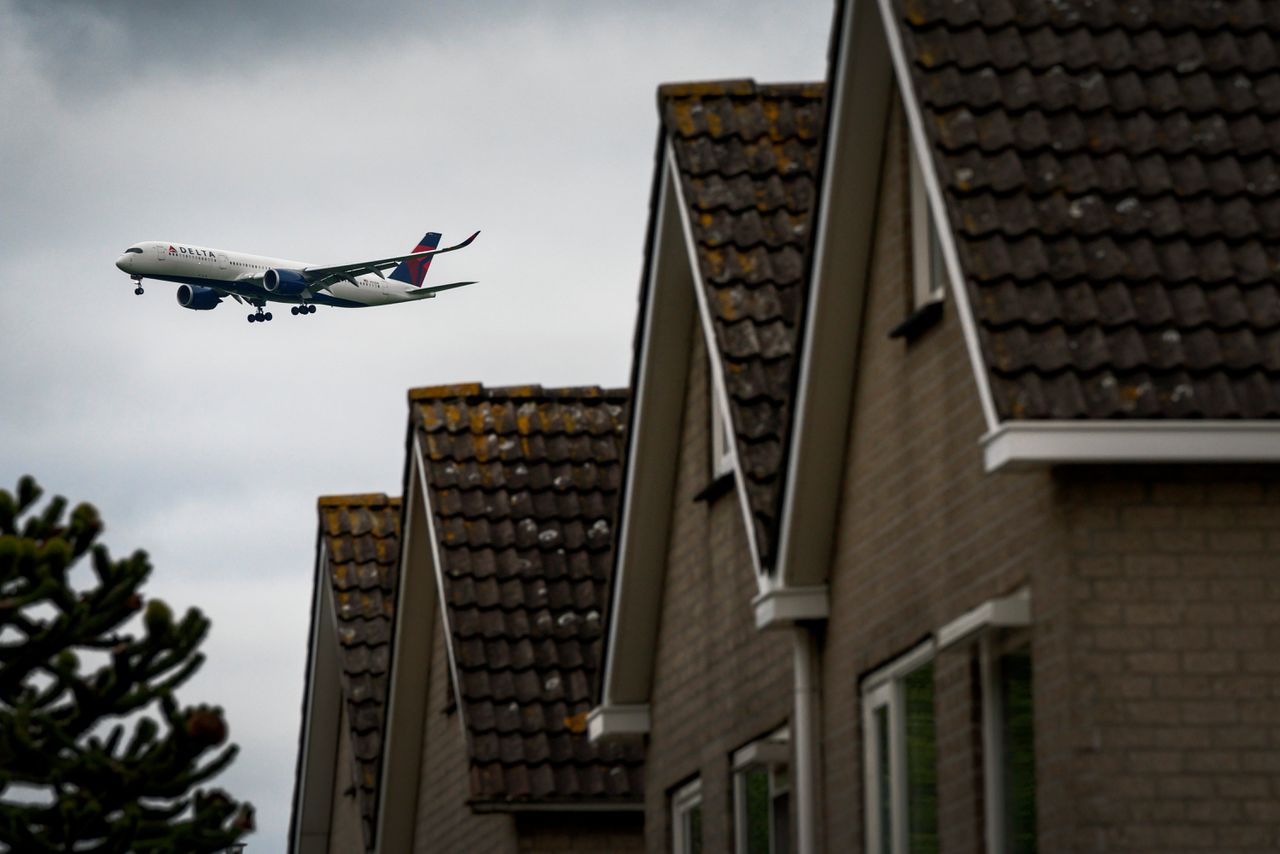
x,y
287,283
197,298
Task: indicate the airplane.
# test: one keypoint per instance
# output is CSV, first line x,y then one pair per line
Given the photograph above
x,y
207,276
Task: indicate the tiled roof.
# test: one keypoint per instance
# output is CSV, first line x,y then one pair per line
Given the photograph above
x,y
523,488
361,539
748,160
1110,171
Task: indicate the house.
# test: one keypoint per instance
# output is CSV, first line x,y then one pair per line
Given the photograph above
x,y
498,564
717,351
344,703
949,521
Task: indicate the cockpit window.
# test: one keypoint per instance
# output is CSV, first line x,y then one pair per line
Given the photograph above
x,y
133,249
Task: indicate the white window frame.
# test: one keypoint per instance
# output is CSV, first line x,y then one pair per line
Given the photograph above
x,y
884,689
721,438
771,754
928,269
683,801
983,627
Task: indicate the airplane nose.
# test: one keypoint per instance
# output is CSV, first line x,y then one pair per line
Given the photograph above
x,y
123,263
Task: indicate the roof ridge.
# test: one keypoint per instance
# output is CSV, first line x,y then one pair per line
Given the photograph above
x,y
530,390
357,499
741,87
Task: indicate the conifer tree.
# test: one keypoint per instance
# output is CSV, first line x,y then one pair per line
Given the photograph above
x,y
98,756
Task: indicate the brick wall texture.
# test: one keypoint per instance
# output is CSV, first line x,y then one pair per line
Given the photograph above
x,y
718,683
1155,593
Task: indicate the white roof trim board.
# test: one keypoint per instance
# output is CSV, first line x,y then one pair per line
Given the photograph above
x,y
1015,444
719,396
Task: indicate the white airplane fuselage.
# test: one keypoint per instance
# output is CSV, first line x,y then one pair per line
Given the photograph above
x,y
241,274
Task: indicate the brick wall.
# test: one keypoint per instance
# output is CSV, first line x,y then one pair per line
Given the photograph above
x,y
1175,683
581,833
718,683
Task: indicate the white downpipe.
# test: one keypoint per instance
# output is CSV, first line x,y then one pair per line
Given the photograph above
x,y
806,739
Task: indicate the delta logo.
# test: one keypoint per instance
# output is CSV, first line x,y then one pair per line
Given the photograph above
x,y
184,250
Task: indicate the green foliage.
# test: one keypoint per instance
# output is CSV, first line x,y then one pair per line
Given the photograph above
x,y
110,758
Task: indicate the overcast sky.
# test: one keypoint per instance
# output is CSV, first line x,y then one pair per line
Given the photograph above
x,y
328,133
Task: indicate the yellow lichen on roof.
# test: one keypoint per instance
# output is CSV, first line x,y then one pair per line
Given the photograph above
x,y
438,391
728,304
708,89
357,499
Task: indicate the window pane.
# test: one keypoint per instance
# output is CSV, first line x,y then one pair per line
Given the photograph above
x,y
693,830
885,778
922,763
1019,759
782,823
755,793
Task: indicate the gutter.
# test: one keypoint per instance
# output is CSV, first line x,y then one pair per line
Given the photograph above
x,y
1025,444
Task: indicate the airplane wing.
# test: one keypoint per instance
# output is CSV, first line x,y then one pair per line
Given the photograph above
x,y
322,277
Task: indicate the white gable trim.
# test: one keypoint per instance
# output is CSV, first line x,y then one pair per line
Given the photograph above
x,y
437,566
410,665
719,394
1033,443
844,242
653,445
923,152
321,715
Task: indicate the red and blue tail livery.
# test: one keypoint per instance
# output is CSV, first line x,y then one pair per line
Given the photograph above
x,y
414,271
205,277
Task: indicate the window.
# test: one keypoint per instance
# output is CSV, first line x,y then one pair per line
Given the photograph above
x,y
1015,733
686,819
762,796
928,270
1008,736
900,755
998,630
133,250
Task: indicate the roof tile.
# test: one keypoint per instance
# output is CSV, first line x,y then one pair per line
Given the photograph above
x,y
360,536
747,162
525,537
1110,174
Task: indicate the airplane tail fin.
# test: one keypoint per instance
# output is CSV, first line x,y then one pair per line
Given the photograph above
x,y
414,271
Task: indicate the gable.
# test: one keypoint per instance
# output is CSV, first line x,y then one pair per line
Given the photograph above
x,y
360,535
746,158
522,489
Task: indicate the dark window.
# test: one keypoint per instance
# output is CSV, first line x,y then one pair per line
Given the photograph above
x,y
1018,756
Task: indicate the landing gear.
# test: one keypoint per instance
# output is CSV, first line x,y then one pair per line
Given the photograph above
x,y
137,281
305,308
260,317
